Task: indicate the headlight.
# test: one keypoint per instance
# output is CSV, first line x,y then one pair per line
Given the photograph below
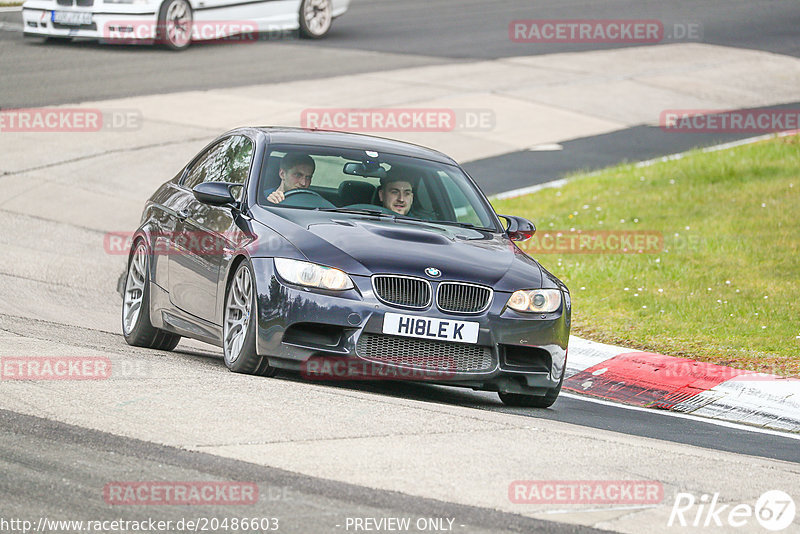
x,y
535,300
126,1
308,274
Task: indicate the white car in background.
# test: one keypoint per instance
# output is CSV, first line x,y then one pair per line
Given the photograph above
x,y
176,23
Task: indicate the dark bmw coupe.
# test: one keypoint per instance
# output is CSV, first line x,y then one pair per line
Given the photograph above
x,y
345,256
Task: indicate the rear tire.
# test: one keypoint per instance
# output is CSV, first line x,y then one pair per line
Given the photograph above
x,y
240,324
316,17
136,326
533,401
175,20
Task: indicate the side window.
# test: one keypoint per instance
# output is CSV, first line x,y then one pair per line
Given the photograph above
x,y
227,161
238,156
461,205
204,167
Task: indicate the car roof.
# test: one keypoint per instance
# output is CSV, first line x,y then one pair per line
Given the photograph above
x,y
302,136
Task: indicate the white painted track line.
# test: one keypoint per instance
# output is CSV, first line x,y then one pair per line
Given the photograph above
x,y
666,413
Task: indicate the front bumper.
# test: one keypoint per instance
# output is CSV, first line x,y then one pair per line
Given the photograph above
x,y
514,352
106,21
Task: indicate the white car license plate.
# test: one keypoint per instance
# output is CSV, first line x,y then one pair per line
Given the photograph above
x,y
72,18
430,328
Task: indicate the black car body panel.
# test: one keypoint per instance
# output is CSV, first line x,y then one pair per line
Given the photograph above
x,y
523,352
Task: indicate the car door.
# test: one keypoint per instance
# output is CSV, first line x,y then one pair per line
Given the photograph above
x,y
205,235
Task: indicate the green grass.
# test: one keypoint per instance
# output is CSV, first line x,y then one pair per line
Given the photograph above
x,y
11,4
726,286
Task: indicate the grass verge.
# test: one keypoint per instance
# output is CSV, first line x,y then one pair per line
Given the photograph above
x,y
723,283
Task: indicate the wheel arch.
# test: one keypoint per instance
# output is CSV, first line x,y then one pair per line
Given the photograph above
x,y
233,265
143,234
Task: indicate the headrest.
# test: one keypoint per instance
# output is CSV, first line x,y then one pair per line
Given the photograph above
x,y
356,192
270,177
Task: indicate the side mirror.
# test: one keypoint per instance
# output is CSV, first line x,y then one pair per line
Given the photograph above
x,y
519,228
215,193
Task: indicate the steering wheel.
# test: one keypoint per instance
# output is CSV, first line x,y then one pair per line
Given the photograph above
x,y
305,198
287,194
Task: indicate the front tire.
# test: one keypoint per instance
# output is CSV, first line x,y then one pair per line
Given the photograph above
x,y
240,323
533,401
136,326
316,17
175,21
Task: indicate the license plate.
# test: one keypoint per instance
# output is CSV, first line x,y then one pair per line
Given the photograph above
x,y
72,18
430,328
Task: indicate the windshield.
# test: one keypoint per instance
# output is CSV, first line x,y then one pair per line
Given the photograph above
x,y
366,182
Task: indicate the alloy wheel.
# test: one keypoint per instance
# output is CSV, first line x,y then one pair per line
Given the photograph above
x,y
134,288
237,313
317,15
179,23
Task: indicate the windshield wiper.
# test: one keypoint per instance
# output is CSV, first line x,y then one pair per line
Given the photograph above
x,y
377,213
466,225
358,211
403,218
412,219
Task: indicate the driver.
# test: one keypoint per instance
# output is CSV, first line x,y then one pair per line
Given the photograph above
x,y
396,192
295,173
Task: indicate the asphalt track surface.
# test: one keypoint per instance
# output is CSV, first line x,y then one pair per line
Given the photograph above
x,y
46,475
51,468
374,35
568,408
58,471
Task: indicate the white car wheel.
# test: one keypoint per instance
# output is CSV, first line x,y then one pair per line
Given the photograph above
x,y
175,21
316,17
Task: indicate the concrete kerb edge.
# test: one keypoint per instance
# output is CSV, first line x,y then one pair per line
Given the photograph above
x,y
761,400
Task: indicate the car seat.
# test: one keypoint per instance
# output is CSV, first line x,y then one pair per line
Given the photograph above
x,y
356,192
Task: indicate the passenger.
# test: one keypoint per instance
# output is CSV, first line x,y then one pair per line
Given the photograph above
x,y
296,172
396,192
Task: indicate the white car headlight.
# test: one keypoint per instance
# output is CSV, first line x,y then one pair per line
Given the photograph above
x,y
126,1
535,300
308,274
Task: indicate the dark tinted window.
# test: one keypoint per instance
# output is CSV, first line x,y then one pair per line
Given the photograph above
x,y
227,161
441,192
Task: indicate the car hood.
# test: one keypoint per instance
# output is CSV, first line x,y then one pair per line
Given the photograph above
x,y
366,245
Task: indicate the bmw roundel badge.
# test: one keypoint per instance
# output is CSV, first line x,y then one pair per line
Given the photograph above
x,y
433,272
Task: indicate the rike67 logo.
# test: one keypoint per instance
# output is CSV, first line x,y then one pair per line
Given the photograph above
x,y
774,510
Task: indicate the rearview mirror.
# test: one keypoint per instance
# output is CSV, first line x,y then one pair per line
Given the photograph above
x,y
215,193
370,169
519,228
